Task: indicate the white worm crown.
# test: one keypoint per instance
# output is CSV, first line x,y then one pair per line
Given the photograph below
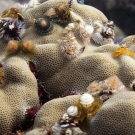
x,y
86,100
72,111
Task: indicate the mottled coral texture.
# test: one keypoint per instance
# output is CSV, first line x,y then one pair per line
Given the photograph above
x,y
116,116
51,112
20,89
89,15
59,74
60,105
62,75
18,93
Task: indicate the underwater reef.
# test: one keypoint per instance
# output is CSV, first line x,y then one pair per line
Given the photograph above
x,y
61,72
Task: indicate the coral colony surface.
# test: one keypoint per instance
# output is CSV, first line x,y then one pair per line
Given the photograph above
x,y
62,74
